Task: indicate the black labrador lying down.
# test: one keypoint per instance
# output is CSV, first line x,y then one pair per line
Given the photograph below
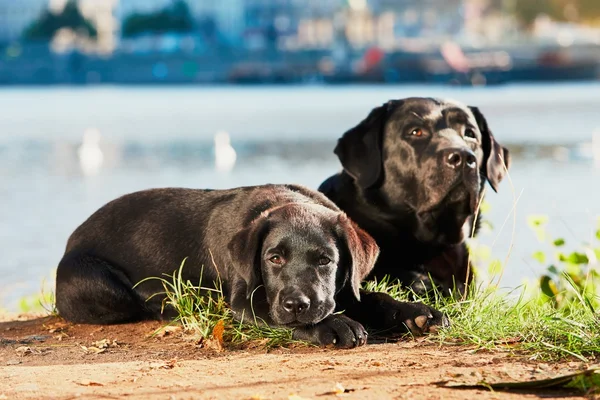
x,y
282,252
413,176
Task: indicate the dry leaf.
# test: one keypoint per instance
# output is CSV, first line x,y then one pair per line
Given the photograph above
x,y
3,396
57,327
89,383
167,330
93,350
217,333
164,364
338,390
105,344
23,351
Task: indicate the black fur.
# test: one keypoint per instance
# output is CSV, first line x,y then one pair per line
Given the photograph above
x,y
404,184
283,252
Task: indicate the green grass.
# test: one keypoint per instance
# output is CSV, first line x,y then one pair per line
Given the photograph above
x,y
520,321
523,322
203,311
42,302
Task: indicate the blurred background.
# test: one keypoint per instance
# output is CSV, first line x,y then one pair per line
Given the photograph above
x,y
99,98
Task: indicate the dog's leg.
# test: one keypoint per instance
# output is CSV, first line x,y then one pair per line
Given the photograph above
x,y
388,317
93,291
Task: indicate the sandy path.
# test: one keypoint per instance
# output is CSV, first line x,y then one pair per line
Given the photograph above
x,y
174,367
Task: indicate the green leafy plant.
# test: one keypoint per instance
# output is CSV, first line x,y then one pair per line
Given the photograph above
x,y
571,277
44,301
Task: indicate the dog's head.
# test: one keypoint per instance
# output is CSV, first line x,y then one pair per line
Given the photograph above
x,y
303,254
427,158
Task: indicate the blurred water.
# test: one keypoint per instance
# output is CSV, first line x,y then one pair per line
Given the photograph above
x,y
156,137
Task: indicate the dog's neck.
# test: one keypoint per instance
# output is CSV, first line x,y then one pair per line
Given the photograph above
x,y
370,210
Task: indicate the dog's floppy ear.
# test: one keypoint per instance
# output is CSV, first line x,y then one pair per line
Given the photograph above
x,y
362,251
244,250
496,158
359,149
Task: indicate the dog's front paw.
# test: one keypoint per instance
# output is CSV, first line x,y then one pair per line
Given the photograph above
x,y
416,318
337,330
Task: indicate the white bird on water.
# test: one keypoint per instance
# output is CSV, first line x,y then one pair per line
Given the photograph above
x,y
90,155
225,155
596,147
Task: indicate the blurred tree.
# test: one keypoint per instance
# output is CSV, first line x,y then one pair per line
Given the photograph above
x,y
527,11
589,10
49,23
175,18
560,10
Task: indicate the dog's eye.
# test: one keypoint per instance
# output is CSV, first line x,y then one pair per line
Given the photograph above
x,y
324,260
276,260
416,132
470,133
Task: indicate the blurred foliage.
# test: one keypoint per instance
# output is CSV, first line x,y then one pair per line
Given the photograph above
x,y
527,11
174,18
571,276
43,301
49,23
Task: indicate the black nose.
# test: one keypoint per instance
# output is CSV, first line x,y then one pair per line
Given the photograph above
x,y
296,304
457,158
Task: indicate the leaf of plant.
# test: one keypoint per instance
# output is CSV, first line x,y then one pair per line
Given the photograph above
x,y
559,242
539,256
535,221
577,258
547,286
495,267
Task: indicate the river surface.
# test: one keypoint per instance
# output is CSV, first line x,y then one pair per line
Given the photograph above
x,y
163,136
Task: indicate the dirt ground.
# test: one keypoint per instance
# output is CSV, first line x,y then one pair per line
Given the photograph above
x,y
46,358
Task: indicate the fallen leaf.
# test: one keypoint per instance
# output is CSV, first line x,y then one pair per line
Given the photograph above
x,y
93,350
56,327
13,362
338,390
256,344
217,333
3,396
105,344
23,351
89,383
167,330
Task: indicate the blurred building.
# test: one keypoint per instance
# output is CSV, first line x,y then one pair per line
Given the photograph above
x,y
226,15
16,15
128,7
102,13
270,24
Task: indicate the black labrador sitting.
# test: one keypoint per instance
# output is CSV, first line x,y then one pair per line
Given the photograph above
x,y
413,176
282,252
